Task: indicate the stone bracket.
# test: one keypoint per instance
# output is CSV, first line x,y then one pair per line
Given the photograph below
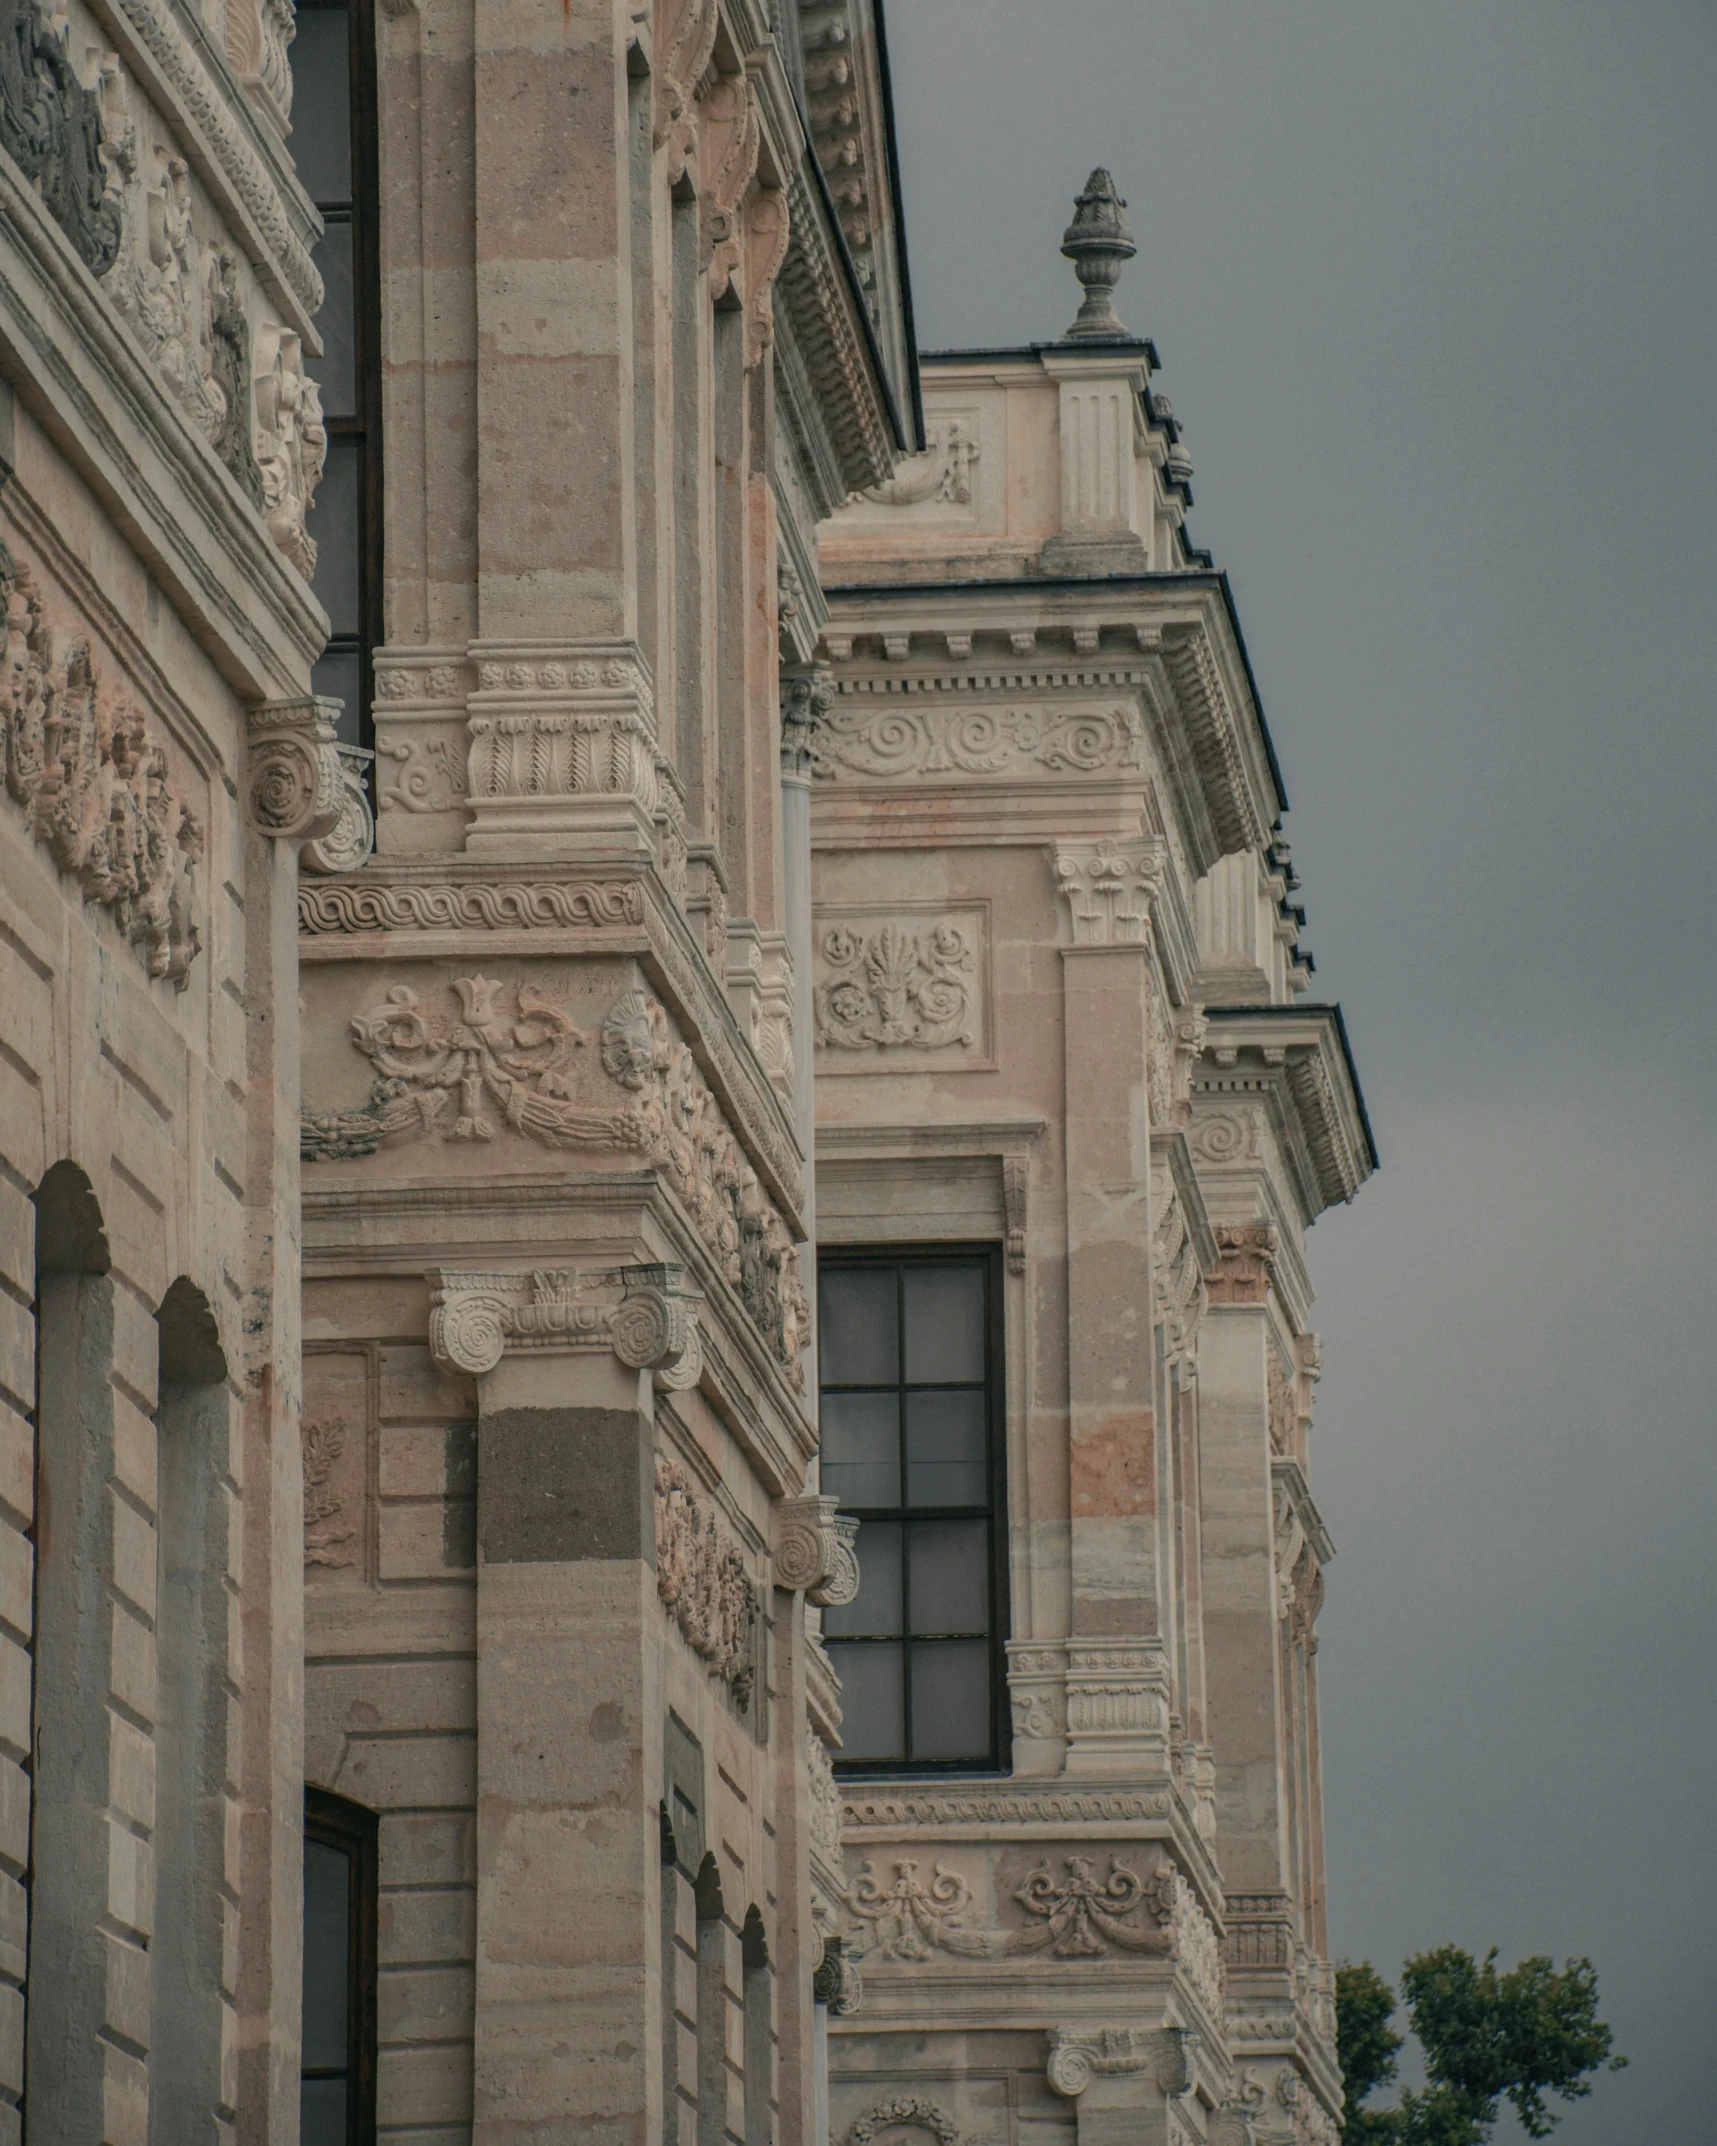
x,y
297,779
814,1551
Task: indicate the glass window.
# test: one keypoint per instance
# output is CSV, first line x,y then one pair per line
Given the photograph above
x,y
910,1419
337,2100
333,144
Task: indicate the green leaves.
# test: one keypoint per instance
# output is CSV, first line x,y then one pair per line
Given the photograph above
x,y
1487,2038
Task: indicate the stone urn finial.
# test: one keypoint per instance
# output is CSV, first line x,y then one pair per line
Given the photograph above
x,y
1099,245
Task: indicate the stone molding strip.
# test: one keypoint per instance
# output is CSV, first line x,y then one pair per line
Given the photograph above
x,y
521,906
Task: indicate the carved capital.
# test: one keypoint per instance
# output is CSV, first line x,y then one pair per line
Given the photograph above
x,y
297,780
1110,888
1245,1263
814,1551
837,1982
1078,2054
476,1316
807,695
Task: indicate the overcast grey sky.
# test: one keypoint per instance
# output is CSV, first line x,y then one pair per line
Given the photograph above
x,y
1433,286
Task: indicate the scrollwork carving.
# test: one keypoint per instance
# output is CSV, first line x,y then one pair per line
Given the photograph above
x,y
514,906
912,742
896,987
297,779
1078,1915
814,1550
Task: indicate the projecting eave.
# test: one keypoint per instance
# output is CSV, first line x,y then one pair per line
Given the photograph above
x,y
1170,637
1299,1055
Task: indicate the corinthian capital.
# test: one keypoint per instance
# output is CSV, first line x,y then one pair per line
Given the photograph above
x,y
475,1317
814,1551
297,783
1110,888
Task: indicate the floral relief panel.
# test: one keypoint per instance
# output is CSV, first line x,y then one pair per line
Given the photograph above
x,y
902,989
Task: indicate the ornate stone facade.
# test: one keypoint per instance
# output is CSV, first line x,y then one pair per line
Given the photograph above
x,y
1048,739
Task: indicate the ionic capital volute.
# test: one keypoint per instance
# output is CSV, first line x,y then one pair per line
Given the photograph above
x,y
476,1317
814,1551
297,788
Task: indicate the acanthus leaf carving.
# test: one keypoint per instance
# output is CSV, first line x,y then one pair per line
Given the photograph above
x,y
1110,888
1245,1263
327,1534
92,778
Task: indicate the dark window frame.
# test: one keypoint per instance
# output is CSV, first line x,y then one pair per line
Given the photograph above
x,y
334,1822
999,1759
364,214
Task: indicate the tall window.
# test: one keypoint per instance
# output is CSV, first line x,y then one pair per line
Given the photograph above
x,y
911,1415
333,143
337,2098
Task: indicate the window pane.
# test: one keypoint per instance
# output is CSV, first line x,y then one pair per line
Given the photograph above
x,y
335,370
322,2112
327,1925
945,1458
861,1448
873,1713
876,1607
951,1700
333,523
321,142
948,1575
857,1334
336,677
944,1324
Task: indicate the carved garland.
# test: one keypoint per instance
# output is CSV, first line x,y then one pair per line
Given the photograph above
x,y
903,2109
1079,1916
92,778
517,1064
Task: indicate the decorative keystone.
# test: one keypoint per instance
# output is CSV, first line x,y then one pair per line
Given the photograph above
x,y
814,1551
475,1317
297,780
1099,245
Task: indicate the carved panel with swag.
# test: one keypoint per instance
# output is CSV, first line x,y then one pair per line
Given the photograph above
x,y
483,1058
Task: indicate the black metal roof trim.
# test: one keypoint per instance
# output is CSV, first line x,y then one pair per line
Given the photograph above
x,y
886,82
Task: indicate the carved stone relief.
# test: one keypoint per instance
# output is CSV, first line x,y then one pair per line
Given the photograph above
x,y
904,2111
410,905
1245,1264
1079,2054
329,1535
1070,1912
512,1059
90,772
891,987
814,1550
906,740
702,1582
825,1801
1037,1689
292,445
1110,888
476,1316
564,743
943,472
57,131
333,1435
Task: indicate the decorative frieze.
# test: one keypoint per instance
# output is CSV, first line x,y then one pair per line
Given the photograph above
x,y
1070,1913
1077,2055
814,1550
476,1316
414,905
1110,888
702,1582
1117,1704
1016,1185
898,985
897,740
1004,1807
90,772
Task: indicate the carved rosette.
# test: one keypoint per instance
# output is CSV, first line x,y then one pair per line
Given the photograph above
x,y
475,1317
1110,888
814,1551
297,778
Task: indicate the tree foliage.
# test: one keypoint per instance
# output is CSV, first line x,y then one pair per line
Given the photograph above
x,y
1487,2038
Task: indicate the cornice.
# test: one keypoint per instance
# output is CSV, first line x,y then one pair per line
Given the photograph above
x,y
1169,1147
1291,1478
1303,1050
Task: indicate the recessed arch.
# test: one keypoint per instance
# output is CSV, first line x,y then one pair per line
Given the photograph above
x,y
191,1352
71,1234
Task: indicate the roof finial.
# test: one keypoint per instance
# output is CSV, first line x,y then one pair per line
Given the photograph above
x,y
1099,245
